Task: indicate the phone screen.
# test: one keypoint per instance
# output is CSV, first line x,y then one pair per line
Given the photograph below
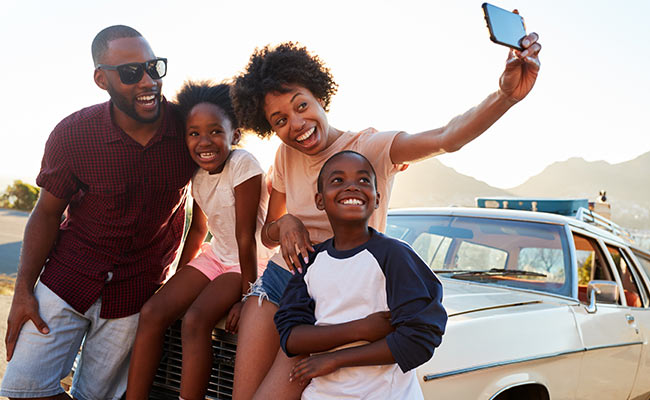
x,y
505,27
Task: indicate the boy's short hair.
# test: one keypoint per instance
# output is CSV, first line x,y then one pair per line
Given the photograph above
x,y
271,69
319,181
193,93
101,40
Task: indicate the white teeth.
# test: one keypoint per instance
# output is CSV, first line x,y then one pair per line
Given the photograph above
x,y
355,202
146,98
306,135
206,155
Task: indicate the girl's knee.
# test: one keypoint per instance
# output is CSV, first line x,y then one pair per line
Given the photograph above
x,y
150,314
194,321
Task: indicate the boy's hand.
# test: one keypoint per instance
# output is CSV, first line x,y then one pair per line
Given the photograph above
x,y
312,367
375,326
294,242
24,307
232,321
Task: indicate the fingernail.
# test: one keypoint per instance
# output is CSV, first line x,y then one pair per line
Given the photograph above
x,y
524,53
292,272
299,270
306,260
525,42
45,331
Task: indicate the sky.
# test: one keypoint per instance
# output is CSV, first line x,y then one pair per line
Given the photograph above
x,y
400,65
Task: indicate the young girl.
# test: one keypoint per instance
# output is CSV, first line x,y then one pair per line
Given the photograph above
x,y
230,199
287,91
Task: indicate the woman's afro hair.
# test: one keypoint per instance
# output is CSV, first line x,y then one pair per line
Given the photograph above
x,y
272,69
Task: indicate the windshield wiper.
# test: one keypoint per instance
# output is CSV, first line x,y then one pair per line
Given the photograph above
x,y
489,272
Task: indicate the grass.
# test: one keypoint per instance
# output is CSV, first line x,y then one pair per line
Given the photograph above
x,y
7,284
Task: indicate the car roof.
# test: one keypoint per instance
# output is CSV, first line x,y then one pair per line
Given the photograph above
x,y
516,215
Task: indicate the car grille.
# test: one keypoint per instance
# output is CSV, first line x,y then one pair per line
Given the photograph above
x,y
167,382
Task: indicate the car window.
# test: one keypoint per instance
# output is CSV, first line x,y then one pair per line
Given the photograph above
x,y
625,272
591,264
522,254
645,262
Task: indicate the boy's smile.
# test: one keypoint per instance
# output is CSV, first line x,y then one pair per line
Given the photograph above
x,y
348,191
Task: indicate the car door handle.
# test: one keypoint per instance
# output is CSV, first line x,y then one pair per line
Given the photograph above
x,y
629,318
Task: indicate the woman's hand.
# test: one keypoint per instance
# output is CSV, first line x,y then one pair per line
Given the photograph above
x,y
521,70
294,241
375,326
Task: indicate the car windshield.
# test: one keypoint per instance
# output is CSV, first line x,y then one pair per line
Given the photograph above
x,y
527,255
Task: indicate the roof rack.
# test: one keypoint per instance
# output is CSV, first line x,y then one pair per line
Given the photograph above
x,y
590,217
568,207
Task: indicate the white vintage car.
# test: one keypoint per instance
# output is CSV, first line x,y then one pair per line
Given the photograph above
x,y
541,306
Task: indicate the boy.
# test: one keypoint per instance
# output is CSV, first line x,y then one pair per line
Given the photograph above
x,y
356,273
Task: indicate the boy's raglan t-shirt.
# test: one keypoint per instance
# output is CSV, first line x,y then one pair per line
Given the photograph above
x,y
340,286
295,174
215,194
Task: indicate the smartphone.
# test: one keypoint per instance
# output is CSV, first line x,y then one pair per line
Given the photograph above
x,y
506,28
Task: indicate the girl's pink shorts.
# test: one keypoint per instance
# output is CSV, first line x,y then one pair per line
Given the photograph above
x,y
208,263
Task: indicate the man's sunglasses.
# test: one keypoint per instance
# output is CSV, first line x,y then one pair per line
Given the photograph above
x,y
132,72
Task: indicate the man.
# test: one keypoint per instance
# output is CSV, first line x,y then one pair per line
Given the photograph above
x,y
119,170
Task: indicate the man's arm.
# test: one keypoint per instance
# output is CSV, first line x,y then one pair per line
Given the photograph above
x,y
515,83
40,234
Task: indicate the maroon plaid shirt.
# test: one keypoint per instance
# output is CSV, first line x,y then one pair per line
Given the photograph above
x,y
126,214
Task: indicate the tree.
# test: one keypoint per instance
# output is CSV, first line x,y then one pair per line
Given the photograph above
x,y
20,196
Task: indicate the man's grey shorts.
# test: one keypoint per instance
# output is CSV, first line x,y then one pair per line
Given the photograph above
x,y
41,361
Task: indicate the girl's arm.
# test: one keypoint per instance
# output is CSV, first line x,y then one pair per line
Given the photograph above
x,y
195,235
287,231
247,200
376,353
515,83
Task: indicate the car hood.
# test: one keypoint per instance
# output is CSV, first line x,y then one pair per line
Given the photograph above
x,y
462,297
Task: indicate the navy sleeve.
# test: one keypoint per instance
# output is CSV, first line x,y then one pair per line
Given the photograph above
x,y
296,308
414,297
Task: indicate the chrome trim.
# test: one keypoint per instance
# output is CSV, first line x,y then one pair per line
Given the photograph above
x,y
507,305
494,396
431,377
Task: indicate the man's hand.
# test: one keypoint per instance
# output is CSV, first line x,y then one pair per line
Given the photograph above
x,y
232,321
521,70
24,307
375,326
313,366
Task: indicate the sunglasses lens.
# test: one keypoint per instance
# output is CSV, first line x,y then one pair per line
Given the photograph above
x,y
130,73
157,68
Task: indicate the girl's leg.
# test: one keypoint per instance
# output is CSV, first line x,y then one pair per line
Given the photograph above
x,y
212,304
158,313
257,346
277,379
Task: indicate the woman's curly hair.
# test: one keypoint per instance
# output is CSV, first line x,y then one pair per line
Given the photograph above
x,y
271,69
193,93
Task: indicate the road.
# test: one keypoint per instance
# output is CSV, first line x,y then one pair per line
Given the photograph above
x,y
11,237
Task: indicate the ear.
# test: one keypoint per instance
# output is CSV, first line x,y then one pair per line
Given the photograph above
x,y
322,103
236,136
377,201
100,79
320,204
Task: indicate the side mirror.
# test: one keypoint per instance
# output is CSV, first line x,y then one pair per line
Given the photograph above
x,y
601,292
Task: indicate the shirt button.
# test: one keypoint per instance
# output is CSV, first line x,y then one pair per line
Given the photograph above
x,y
109,276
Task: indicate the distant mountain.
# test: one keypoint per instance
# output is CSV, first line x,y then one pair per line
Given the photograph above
x,y
627,185
429,183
